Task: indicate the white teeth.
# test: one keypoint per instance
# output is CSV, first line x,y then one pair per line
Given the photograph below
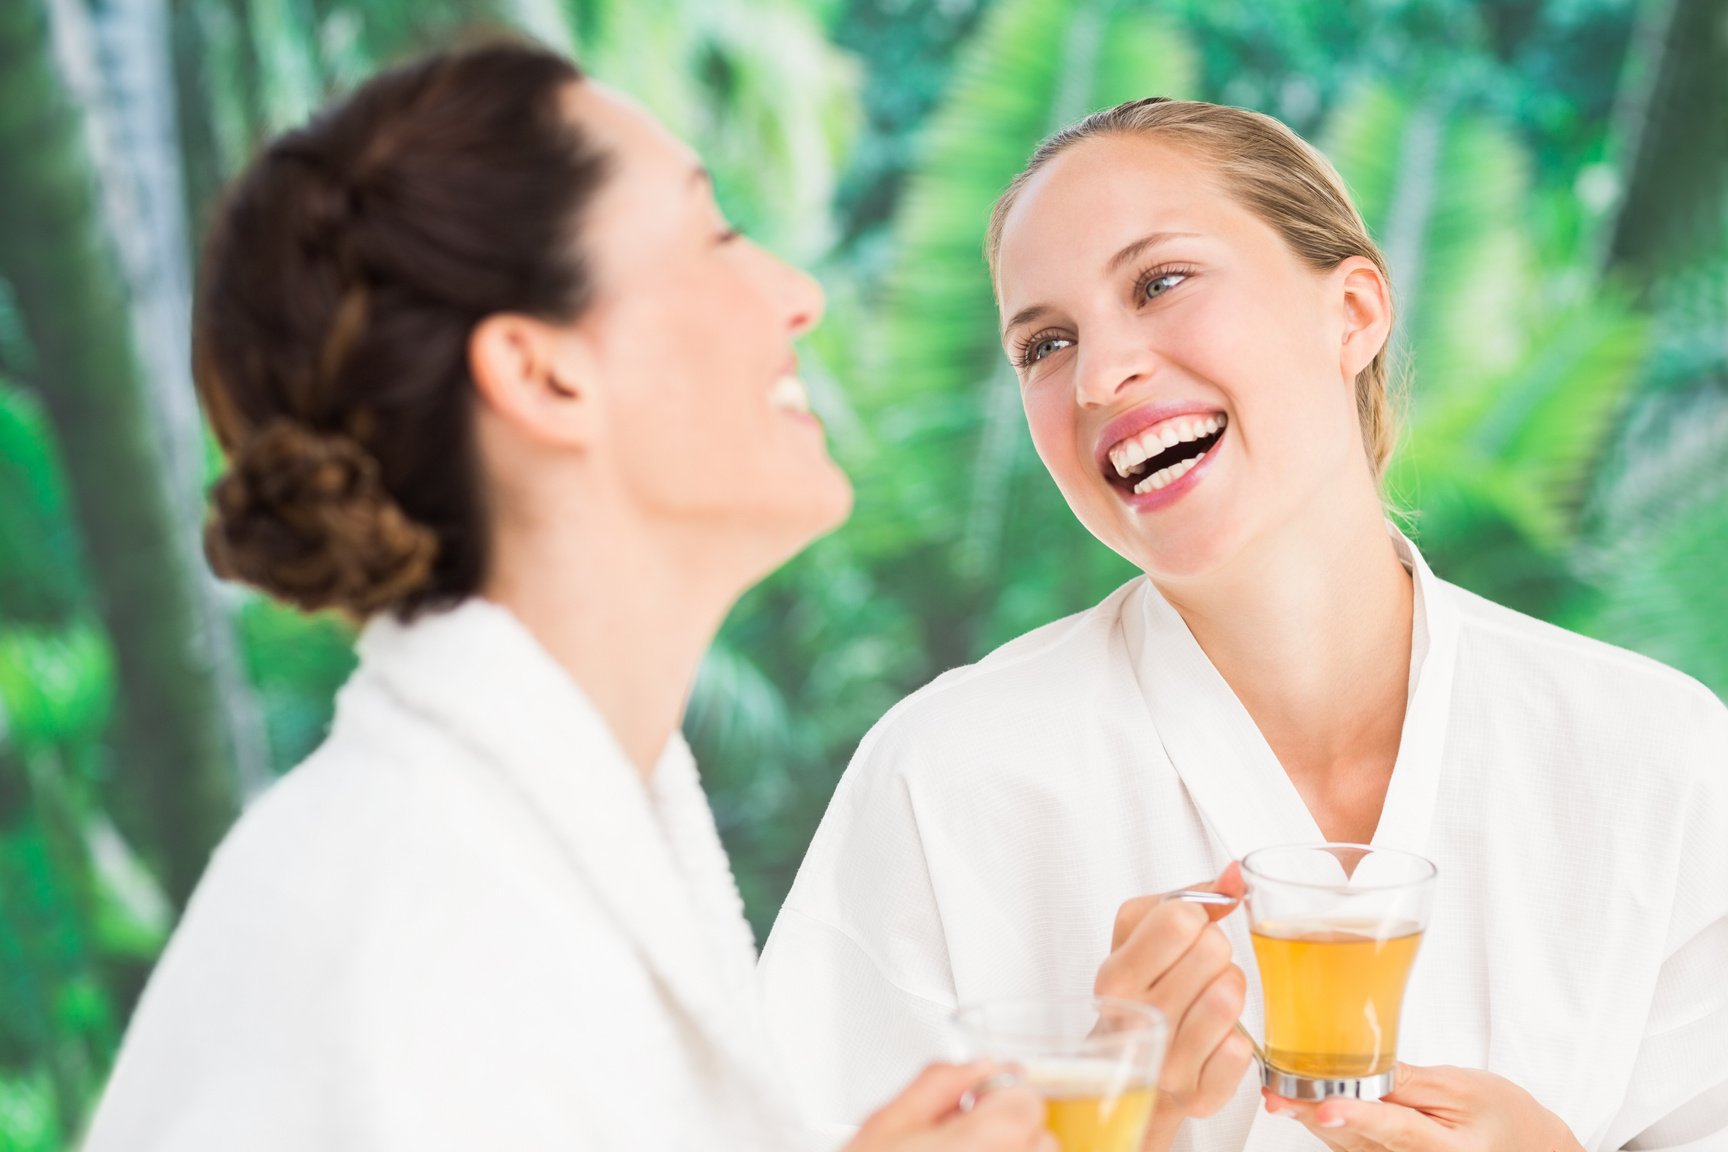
x,y
1131,453
789,395
1126,456
1165,477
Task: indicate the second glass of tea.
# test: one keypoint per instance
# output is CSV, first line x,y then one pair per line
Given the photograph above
x,y
1094,1060
1335,930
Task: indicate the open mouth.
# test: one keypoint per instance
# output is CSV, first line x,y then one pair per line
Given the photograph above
x,y
1160,456
789,395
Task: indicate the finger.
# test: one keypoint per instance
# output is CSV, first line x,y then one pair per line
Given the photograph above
x,y
1230,883
1181,988
1303,1112
1439,1088
1158,941
1376,1123
1007,1118
1128,918
1222,1074
1207,1023
935,1093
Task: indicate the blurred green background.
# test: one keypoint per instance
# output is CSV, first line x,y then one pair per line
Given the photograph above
x,y
1549,179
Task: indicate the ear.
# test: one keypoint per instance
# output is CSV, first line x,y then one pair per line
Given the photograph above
x,y
1366,314
533,375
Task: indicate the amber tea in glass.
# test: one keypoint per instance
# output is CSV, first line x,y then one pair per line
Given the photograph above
x,y
1335,929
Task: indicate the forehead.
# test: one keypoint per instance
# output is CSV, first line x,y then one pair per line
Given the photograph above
x,y
1106,192
651,187
624,128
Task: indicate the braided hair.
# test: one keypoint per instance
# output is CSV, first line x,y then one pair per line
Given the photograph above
x,y
340,284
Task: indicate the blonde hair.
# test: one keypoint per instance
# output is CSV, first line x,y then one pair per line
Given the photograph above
x,y
1273,173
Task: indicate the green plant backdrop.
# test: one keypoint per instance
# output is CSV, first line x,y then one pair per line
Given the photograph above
x,y
1549,178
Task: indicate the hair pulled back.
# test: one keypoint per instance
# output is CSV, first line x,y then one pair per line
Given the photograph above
x,y
340,283
1272,172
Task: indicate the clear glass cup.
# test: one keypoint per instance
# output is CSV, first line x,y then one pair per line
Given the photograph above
x,y
1095,1061
1335,929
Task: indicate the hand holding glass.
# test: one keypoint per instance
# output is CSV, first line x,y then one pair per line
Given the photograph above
x,y
1094,1060
1335,929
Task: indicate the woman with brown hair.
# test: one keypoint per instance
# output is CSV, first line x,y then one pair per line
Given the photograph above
x,y
494,375
1199,322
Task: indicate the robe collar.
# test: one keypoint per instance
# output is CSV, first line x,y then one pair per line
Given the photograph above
x,y
648,852
1237,783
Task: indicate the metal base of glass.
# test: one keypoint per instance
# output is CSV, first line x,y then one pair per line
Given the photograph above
x,y
1293,1087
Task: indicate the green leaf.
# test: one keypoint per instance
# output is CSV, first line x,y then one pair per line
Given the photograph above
x,y
56,687
41,581
295,663
132,916
940,388
29,1117
1445,195
1666,597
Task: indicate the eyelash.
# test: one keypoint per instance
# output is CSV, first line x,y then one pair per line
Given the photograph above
x,y
1155,273
1024,346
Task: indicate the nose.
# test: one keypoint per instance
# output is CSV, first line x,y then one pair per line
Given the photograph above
x,y
802,294
1109,366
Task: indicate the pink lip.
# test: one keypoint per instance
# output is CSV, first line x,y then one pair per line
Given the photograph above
x,y
1137,420
1163,497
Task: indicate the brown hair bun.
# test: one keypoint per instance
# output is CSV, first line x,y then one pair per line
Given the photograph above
x,y
342,279
304,516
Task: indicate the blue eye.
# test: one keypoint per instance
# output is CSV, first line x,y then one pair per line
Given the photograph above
x,y
1036,348
1155,286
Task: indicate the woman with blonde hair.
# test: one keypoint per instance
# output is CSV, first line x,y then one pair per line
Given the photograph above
x,y
495,375
1199,322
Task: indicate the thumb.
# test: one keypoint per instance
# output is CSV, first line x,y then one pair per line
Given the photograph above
x,y
1427,1089
1229,883
933,1095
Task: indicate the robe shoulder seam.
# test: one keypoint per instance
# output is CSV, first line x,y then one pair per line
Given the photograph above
x,y
1481,614
945,1004
1079,627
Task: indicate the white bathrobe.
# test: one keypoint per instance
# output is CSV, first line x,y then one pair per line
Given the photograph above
x,y
465,923
1574,797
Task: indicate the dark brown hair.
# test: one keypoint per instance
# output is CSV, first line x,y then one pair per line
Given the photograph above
x,y
340,283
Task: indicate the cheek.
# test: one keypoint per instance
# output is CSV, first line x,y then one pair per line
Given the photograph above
x,y
1050,419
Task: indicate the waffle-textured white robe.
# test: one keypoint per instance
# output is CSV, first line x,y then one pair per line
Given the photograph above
x,y
1574,797
464,923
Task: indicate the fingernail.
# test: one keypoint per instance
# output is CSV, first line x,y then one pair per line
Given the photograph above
x,y
1283,1111
1332,1122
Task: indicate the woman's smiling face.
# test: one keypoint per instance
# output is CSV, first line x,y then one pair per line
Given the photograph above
x,y
692,327
1188,380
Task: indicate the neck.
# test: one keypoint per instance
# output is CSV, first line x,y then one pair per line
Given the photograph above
x,y
627,615
1311,629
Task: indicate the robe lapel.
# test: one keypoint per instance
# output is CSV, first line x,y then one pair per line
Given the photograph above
x,y
478,676
1244,794
1238,785
1408,814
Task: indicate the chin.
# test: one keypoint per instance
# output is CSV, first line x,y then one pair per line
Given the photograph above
x,y
833,514
1175,552
822,507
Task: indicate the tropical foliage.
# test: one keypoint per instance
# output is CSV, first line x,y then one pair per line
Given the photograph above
x,y
1549,178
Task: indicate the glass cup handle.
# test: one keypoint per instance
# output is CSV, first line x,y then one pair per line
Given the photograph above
x,y
1218,899
994,1082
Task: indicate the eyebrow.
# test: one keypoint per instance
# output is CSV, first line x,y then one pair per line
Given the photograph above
x,y
1126,254
1150,240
